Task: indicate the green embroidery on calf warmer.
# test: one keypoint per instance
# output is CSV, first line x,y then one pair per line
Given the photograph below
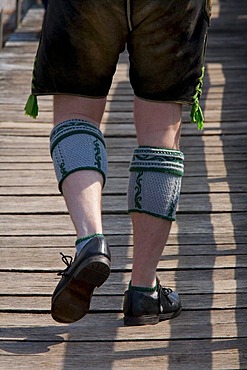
x,y
157,160
138,189
73,127
155,181
97,154
62,163
174,200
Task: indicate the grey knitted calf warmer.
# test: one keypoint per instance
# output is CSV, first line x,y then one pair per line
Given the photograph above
x,y
155,181
77,145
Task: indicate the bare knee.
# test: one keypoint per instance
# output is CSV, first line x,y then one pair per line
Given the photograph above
x,y
157,123
76,107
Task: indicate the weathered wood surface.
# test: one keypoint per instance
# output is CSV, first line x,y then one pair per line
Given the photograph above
x,y
205,258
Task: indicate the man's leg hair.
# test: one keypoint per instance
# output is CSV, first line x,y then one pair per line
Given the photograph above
x,y
155,181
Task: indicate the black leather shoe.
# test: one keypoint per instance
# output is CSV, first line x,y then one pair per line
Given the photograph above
x,y
90,269
142,309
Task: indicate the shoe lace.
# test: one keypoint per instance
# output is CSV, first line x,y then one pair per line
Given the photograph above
x,y
68,262
167,292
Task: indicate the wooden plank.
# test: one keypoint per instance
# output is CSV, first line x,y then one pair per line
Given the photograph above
x,y
47,180
31,185
186,244
38,155
57,354
121,260
187,326
211,225
119,155
210,145
16,113
189,203
126,129
102,303
197,281
120,169
126,158
226,142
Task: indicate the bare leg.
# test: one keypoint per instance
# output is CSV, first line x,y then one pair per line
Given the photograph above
x,y
79,147
82,189
68,107
157,125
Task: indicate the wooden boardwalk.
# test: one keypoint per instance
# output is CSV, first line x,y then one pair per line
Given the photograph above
x,y
205,259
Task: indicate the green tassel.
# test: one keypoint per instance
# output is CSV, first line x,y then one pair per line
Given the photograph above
x,y
31,107
196,115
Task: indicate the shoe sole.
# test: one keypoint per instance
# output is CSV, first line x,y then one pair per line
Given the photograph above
x,y
150,319
72,302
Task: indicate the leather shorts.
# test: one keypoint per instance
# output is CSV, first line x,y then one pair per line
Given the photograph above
x,y
81,41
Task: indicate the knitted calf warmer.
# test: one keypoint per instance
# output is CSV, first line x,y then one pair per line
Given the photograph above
x,y
77,145
155,181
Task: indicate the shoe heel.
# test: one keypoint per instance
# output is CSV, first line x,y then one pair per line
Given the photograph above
x,y
95,271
